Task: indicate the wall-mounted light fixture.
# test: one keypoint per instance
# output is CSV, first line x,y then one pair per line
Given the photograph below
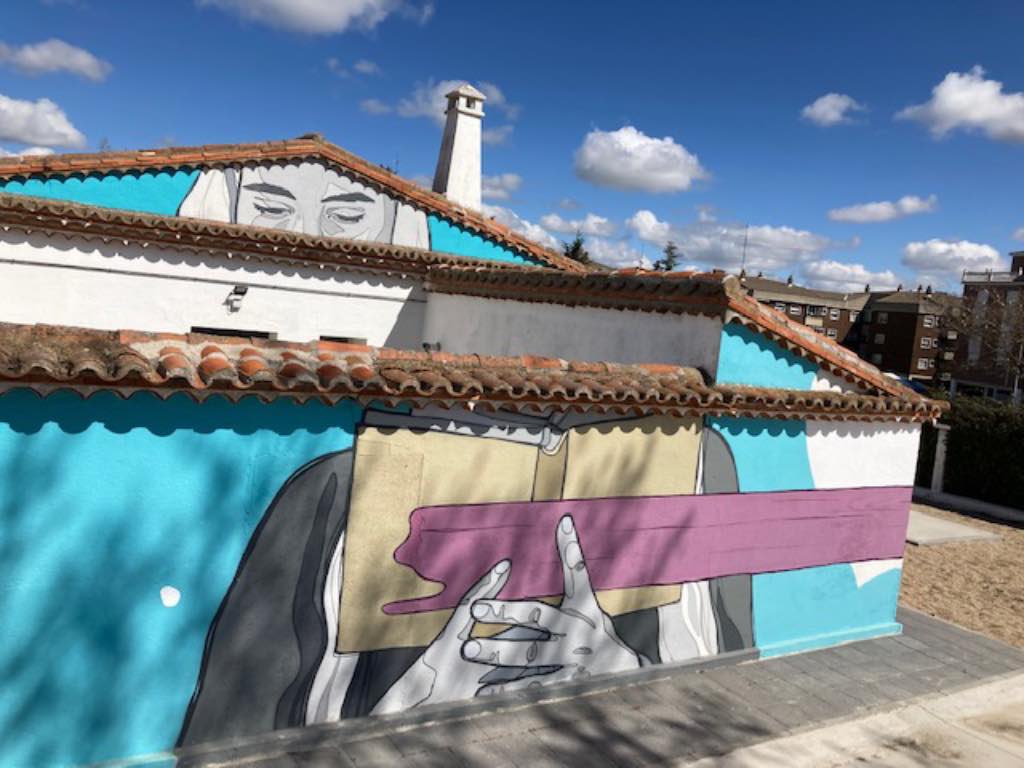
x,y
234,299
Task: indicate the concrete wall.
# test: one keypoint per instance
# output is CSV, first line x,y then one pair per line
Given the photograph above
x,y
466,324
115,286
177,572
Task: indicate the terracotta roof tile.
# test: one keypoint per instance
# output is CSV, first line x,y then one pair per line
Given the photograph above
x,y
46,358
307,147
716,294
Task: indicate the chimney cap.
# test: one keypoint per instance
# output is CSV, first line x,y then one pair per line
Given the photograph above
x,y
466,90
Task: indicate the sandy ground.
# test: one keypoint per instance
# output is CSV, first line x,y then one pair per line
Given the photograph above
x,y
976,584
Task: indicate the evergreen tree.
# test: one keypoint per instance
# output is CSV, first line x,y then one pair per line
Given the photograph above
x,y
576,250
669,258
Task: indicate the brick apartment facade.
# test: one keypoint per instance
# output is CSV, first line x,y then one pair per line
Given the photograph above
x,y
902,332
982,367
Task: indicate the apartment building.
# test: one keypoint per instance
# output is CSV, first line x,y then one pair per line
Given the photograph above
x,y
831,314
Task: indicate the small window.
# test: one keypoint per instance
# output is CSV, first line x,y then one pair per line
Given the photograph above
x,y
931,362
208,331
951,335
794,309
922,364
879,338
926,342
470,103
876,358
833,313
780,305
929,321
854,314
881,318
832,333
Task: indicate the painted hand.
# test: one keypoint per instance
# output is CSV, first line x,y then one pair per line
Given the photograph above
x,y
441,673
577,637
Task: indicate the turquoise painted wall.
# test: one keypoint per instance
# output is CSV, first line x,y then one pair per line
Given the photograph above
x,y
816,607
811,607
747,357
150,192
450,238
102,503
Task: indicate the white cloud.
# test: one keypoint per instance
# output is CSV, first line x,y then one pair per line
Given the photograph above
x,y
366,67
568,204
322,17
428,100
1018,233
336,68
969,102
941,262
831,275
706,213
28,152
884,210
831,109
41,123
501,186
615,253
374,107
723,244
497,135
55,55
591,225
526,228
629,159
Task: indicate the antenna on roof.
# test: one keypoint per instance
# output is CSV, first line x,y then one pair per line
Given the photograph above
x,y
743,262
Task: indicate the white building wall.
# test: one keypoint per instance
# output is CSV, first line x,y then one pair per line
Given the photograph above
x,y
860,454
466,324
114,286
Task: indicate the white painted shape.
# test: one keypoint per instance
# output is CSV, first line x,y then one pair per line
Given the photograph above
x,y
824,381
410,227
687,627
872,569
469,324
113,286
859,454
208,198
170,596
334,674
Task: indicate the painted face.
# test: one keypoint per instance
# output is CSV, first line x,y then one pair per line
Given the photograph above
x,y
310,198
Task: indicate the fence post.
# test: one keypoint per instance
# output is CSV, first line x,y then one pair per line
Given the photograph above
x,y
939,465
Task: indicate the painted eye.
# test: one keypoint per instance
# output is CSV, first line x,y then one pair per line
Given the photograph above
x,y
274,210
345,215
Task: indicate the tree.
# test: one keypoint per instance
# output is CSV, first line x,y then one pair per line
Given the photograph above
x,y
576,250
991,324
669,258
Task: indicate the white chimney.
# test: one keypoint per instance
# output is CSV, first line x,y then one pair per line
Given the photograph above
x,y
458,165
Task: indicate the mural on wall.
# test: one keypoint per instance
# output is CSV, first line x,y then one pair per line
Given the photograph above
x,y
308,196
389,577
255,566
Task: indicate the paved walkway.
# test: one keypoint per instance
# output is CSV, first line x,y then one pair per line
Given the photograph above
x,y
925,530
677,717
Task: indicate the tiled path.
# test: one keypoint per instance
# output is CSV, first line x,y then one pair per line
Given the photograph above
x,y
687,714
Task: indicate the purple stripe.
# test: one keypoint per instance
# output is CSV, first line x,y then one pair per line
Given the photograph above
x,y
648,540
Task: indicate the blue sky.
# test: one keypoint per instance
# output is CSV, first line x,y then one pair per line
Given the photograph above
x,y
682,121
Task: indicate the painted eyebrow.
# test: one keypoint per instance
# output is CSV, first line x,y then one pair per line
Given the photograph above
x,y
271,189
348,197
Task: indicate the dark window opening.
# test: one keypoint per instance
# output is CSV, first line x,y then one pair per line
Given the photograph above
x,y
233,332
344,339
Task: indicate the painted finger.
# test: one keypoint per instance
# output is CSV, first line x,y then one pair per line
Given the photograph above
x,y
526,613
487,587
516,653
527,683
576,578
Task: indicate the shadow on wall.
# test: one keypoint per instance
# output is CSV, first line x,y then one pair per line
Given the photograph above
x,y
122,523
